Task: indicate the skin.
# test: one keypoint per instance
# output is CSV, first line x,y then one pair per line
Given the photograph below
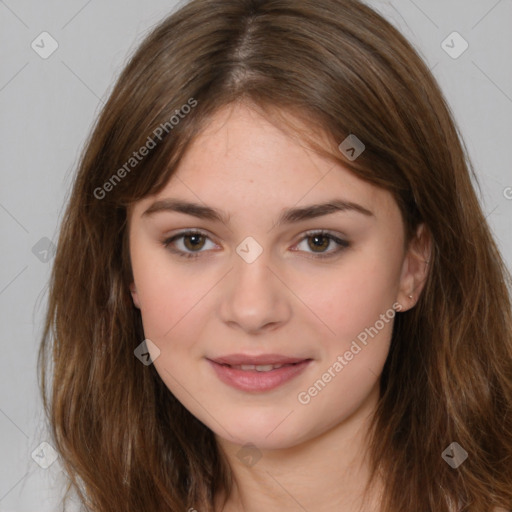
x,y
286,302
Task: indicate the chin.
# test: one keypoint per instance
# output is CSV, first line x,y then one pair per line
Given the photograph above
x,y
265,433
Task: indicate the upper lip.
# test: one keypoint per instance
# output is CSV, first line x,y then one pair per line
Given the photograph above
x,y
242,359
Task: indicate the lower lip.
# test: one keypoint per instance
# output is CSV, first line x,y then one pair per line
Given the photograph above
x,y
252,380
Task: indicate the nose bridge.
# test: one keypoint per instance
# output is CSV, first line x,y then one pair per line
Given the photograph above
x,y
255,274
255,297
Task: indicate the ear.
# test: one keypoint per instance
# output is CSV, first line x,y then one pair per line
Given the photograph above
x,y
135,296
415,268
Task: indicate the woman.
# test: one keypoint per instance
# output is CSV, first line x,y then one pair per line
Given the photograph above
x,y
275,288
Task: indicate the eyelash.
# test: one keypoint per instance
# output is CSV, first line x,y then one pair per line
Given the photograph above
x,y
343,244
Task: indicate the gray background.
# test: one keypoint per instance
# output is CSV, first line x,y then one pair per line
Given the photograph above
x,y
48,107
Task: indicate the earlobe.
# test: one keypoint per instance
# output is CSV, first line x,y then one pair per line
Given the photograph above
x,y
135,296
415,268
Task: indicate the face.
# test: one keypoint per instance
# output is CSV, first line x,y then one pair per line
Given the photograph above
x,y
253,275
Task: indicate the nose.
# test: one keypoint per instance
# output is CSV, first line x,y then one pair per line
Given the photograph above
x,y
255,299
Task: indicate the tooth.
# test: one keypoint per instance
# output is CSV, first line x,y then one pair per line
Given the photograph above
x,y
259,368
264,367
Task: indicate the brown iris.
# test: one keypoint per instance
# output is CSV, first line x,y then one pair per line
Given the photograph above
x,y
194,245
316,238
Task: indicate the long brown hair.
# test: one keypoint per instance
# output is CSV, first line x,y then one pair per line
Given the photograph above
x,y
126,442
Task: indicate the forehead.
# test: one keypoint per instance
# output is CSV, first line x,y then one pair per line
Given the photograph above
x,y
241,153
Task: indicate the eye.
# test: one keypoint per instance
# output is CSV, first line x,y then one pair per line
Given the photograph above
x,y
192,241
319,241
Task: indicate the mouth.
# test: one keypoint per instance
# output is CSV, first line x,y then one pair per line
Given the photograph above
x,y
258,374
259,367
259,360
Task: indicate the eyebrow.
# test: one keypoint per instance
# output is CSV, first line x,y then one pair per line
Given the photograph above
x,y
288,216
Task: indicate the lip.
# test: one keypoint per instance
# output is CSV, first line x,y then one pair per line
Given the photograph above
x,y
256,381
237,359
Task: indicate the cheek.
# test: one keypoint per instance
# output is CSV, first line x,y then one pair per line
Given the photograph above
x,y
167,296
352,296
167,306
